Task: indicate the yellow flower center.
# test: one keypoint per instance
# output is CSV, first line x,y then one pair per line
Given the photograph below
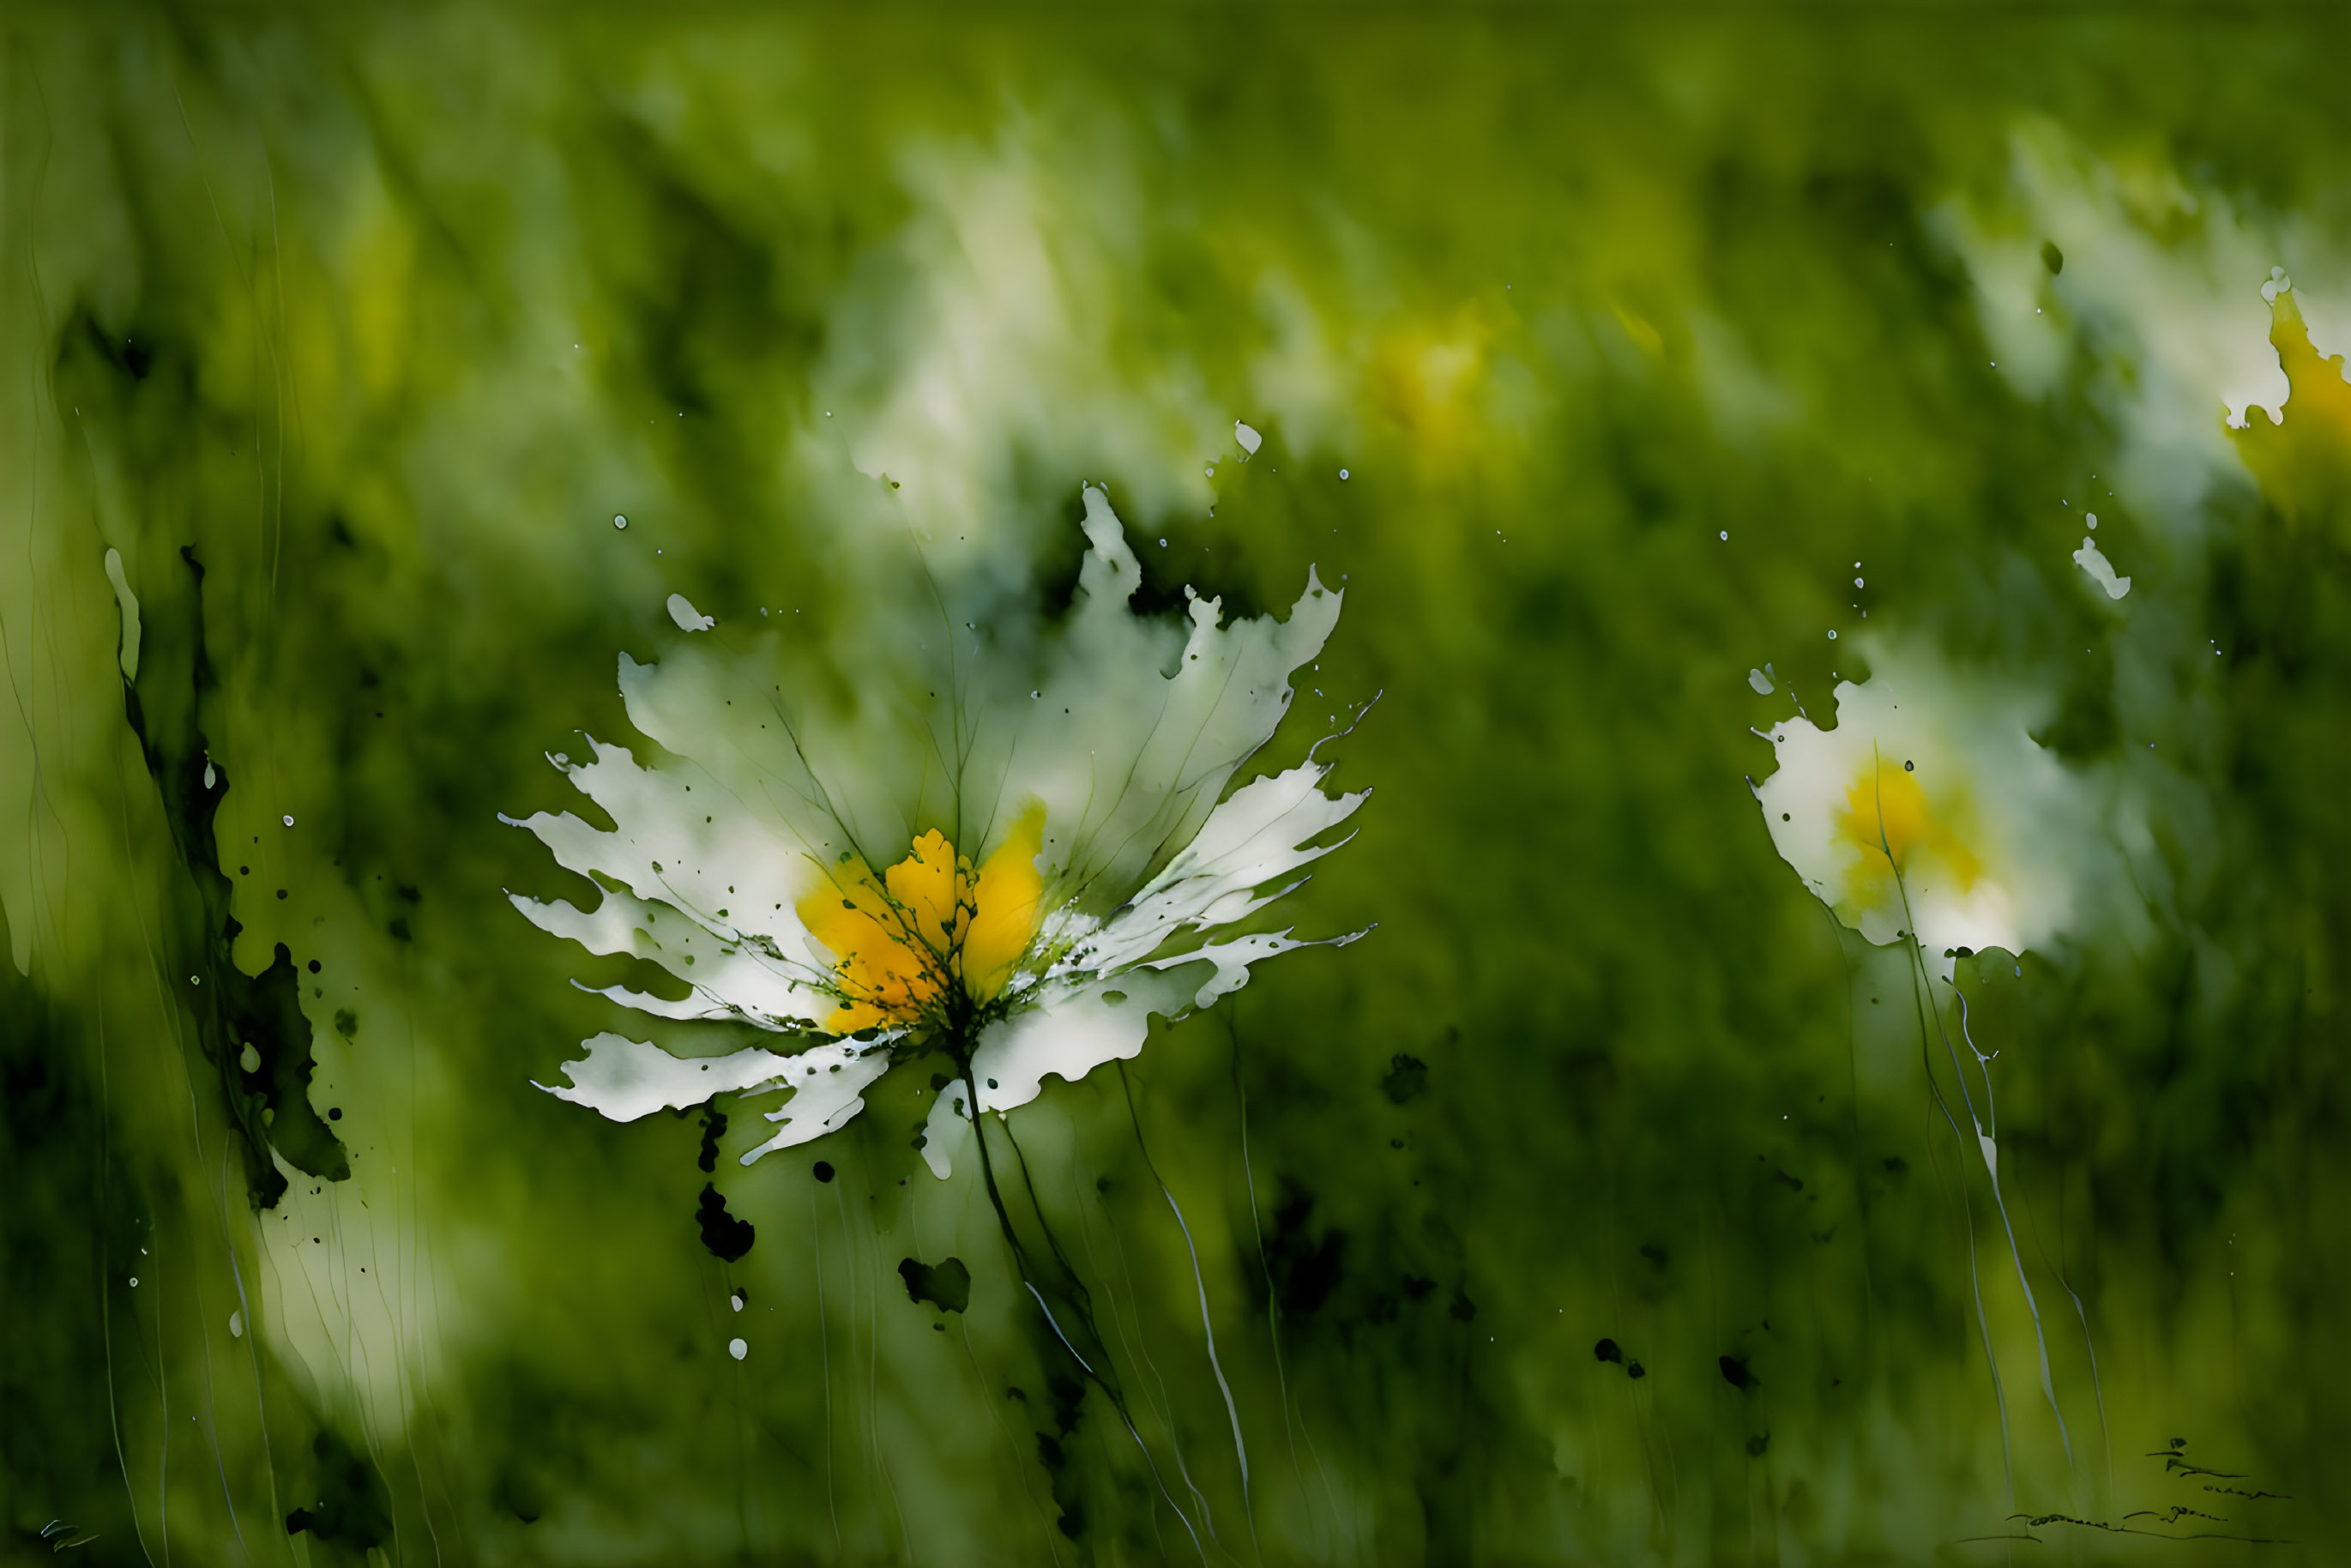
x,y
1889,814
929,926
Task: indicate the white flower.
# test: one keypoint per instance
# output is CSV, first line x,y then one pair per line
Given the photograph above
x,y
1930,809
1055,862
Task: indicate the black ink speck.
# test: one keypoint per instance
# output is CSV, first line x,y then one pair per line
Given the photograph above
x,y
727,1238
1406,1079
946,1286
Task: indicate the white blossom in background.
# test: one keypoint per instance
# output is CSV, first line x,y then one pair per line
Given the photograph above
x,y
1014,869
2147,283
1927,808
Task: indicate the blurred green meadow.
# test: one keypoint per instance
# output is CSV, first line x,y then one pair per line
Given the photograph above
x,y
1638,382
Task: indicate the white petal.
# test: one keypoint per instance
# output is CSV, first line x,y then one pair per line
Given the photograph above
x,y
1231,960
626,1079
729,978
1068,1036
827,1083
1263,832
712,890
1136,732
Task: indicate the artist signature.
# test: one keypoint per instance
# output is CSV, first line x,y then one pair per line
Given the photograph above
x,y
2178,1521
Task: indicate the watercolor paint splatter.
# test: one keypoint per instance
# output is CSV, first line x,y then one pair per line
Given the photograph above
x,y
669,677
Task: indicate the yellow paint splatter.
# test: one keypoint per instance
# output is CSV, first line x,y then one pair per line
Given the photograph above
x,y
929,929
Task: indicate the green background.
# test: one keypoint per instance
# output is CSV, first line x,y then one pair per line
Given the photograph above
x,y
387,317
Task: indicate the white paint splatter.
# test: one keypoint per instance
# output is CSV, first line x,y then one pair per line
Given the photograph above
x,y
2102,570
127,603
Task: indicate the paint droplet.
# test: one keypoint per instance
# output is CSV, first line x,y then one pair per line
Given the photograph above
x,y
1858,582
737,1349
620,521
210,775
134,1281
1724,536
288,821
1761,681
1832,636
236,1325
1250,439
1343,473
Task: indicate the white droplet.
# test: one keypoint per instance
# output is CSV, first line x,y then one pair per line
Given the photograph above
x,y
209,774
2093,520
236,1325
1857,582
1343,473
1210,470
737,1302
288,821
194,980
134,1281
1761,681
738,1348
1724,534
620,521
1832,636
687,617
1250,439
249,1059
